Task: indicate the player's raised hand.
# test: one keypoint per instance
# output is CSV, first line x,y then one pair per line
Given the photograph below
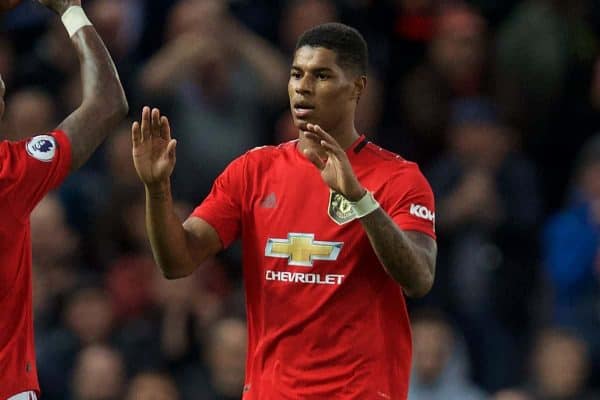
x,y
336,169
60,6
153,148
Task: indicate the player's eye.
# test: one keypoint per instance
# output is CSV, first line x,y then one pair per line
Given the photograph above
x,y
295,74
321,76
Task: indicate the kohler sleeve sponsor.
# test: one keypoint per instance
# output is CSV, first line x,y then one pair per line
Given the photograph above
x,y
420,211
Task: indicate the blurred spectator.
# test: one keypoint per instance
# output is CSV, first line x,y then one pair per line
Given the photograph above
x,y
119,164
488,209
544,65
411,29
99,374
29,112
225,356
571,249
437,373
51,62
455,68
120,229
537,46
90,195
560,367
7,61
177,298
495,11
55,260
214,78
512,394
119,23
53,242
151,386
300,15
89,316
88,320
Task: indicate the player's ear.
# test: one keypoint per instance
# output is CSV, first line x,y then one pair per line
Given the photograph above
x,y
360,84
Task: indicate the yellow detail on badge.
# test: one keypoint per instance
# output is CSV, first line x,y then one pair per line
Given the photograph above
x,y
339,208
301,249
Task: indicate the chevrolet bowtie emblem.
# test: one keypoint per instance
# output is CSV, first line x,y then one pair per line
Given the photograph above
x,y
301,249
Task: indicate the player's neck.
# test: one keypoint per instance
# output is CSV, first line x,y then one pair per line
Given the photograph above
x,y
345,136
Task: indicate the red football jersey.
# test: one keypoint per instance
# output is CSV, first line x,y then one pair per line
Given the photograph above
x,y
28,170
325,320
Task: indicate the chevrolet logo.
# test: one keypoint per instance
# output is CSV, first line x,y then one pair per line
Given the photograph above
x,y
301,249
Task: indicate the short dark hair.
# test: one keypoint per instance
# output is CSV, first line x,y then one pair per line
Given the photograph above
x,y
348,44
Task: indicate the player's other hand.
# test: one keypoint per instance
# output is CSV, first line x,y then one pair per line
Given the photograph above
x,y
335,169
153,148
60,6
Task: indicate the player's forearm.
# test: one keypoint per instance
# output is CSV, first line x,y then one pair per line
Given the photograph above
x,y
104,103
167,237
408,264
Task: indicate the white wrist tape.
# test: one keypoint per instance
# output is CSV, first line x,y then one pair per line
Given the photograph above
x,y
74,19
365,206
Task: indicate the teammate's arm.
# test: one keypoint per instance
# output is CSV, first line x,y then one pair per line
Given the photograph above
x,y
178,249
104,103
408,256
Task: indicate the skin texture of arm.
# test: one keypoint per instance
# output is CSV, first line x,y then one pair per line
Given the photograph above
x,y
407,256
178,249
104,103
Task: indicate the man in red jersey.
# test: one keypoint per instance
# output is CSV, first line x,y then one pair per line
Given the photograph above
x,y
334,229
28,170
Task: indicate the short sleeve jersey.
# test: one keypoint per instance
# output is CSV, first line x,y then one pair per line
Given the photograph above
x,y
28,170
325,320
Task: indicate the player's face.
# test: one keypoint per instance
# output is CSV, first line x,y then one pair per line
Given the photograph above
x,y
320,91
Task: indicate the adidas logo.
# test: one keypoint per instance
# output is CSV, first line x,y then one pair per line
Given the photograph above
x,y
270,201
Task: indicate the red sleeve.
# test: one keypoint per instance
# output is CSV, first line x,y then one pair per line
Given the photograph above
x,y
222,208
32,167
415,208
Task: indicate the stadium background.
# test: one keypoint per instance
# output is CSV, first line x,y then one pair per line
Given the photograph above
x,y
498,102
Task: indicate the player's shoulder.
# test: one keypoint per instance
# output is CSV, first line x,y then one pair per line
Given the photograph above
x,y
272,150
384,158
397,171
270,153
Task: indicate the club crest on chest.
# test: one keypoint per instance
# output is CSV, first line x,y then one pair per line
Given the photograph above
x,y
339,208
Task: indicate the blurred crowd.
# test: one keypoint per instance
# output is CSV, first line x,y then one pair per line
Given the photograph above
x,y
498,102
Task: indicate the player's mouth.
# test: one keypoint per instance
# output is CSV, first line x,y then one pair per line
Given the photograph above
x,y
303,110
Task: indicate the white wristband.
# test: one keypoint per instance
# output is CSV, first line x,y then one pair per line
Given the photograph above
x,y
74,19
365,206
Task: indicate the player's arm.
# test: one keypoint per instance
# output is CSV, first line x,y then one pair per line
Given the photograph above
x,y
104,103
408,256
178,248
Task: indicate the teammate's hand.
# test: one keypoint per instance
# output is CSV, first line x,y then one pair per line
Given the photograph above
x,y
60,6
336,169
153,148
